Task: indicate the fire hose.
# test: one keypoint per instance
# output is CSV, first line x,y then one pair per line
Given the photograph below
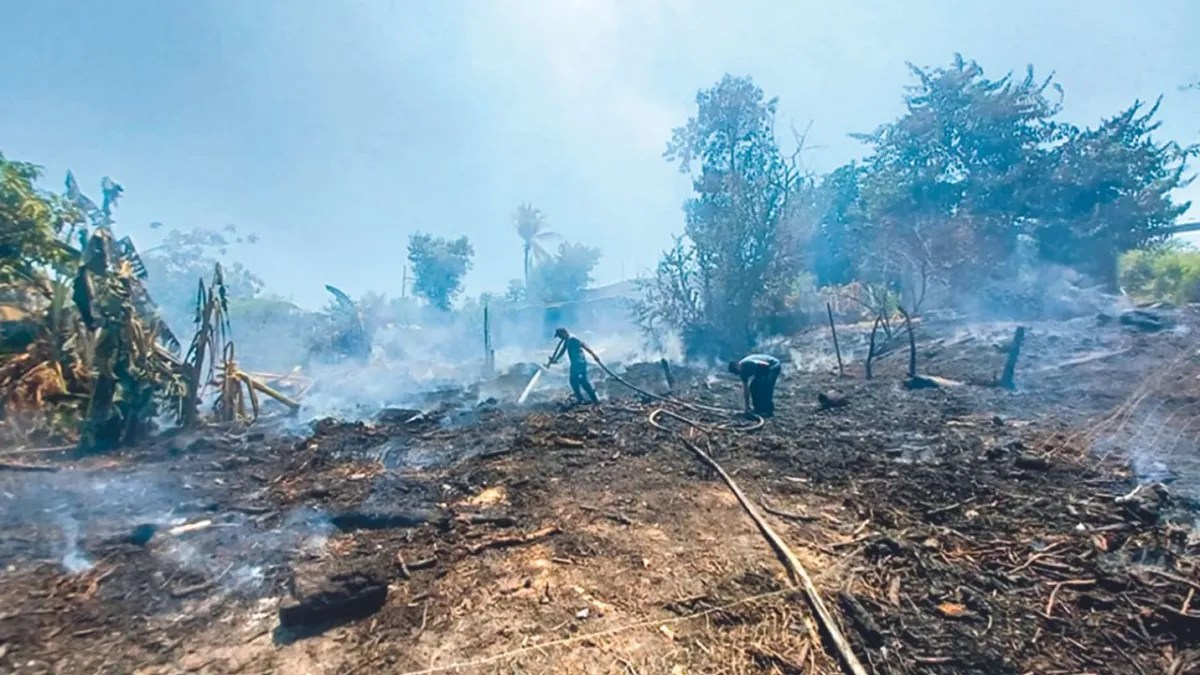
x,y
797,575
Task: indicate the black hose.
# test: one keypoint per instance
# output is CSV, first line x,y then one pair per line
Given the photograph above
x,y
757,422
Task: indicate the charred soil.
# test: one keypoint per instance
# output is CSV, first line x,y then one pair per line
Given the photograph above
x,y
961,528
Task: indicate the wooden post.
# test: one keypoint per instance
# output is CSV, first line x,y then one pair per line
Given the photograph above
x,y
836,349
489,354
666,368
871,346
1007,379
912,345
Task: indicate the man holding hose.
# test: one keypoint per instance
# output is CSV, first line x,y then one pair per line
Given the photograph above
x,y
574,348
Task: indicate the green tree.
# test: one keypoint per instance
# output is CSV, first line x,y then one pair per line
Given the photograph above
x,y
838,239
1109,190
530,224
515,292
184,257
948,183
565,275
439,266
33,225
176,265
1167,272
736,252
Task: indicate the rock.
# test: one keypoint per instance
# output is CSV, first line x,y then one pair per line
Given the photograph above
x,y
830,401
142,534
380,519
324,602
1031,463
1146,320
921,382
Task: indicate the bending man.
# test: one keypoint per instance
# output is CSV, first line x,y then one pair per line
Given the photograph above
x,y
574,349
759,373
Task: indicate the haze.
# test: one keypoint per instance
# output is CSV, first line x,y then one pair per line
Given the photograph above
x,y
334,130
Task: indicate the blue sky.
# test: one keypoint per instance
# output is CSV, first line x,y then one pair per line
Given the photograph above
x,y
334,129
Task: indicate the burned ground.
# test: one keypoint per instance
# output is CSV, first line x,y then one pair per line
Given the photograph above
x,y
957,529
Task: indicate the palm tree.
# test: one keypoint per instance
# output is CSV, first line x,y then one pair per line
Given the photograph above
x,y
531,228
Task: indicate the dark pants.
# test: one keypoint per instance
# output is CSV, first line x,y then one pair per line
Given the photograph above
x,y
580,384
762,392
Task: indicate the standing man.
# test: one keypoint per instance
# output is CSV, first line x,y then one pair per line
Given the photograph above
x,y
574,349
759,373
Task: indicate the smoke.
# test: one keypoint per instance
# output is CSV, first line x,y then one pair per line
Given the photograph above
x,y
74,560
69,515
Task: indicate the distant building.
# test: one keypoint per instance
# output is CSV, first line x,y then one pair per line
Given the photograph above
x,y
597,309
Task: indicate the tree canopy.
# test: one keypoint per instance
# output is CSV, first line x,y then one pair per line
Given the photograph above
x,y
563,276
953,194
439,266
735,255
32,223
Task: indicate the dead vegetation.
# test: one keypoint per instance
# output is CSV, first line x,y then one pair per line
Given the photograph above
x,y
85,357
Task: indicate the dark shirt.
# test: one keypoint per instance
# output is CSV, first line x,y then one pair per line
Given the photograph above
x,y
575,350
756,363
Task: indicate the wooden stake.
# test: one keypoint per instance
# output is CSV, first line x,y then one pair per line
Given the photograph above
x,y
912,345
489,354
871,347
836,349
1007,379
666,368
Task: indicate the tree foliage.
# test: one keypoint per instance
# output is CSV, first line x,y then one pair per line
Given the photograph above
x,y
1107,191
973,166
99,354
948,184
971,192
530,224
1169,273
736,257
183,258
565,275
439,266
33,224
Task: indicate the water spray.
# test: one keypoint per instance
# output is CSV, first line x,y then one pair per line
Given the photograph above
x,y
537,375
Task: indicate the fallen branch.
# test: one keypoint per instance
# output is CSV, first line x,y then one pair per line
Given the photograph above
x,y
407,567
190,527
254,384
487,519
1098,356
13,466
611,515
786,514
185,591
504,542
40,451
